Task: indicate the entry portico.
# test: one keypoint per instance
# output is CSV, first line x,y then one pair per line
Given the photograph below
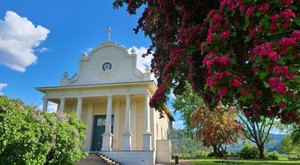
x,y
112,97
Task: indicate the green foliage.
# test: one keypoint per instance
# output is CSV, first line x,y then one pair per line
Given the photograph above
x,y
185,147
248,152
194,155
272,155
288,146
187,104
31,137
295,135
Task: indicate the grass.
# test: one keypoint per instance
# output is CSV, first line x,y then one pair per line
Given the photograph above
x,y
246,162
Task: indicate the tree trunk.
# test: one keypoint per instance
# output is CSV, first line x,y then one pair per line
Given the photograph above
x,y
218,151
261,150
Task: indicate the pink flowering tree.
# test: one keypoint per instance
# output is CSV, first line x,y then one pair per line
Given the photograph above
x,y
253,56
238,52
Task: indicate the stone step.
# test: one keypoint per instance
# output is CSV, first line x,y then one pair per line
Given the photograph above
x,y
91,159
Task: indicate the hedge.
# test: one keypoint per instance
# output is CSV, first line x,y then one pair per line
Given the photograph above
x,y
31,137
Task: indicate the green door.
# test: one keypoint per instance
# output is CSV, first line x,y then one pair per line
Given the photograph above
x,y
98,131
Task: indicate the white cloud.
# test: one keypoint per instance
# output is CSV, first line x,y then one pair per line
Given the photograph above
x,y
142,62
2,85
43,50
178,124
18,38
52,107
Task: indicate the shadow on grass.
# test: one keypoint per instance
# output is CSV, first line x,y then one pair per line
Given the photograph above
x,y
245,162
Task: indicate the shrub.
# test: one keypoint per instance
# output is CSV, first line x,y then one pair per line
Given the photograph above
x,y
272,155
248,152
199,154
210,155
32,137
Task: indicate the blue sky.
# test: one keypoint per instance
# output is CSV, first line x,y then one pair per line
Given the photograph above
x,y
39,40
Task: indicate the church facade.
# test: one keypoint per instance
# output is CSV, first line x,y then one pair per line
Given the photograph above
x,y
112,97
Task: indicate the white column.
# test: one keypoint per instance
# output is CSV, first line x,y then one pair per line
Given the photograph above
x,y
45,104
62,105
116,139
107,136
127,134
89,124
79,107
147,136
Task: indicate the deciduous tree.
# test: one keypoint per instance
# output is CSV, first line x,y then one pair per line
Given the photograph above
x,y
228,50
257,131
217,128
214,129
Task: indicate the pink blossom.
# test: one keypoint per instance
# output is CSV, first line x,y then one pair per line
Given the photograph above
x,y
288,42
286,2
212,12
228,74
245,92
286,25
264,7
273,82
296,34
287,13
202,46
277,70
210,82
217,18
211,31
264,49
292,94
273,56
222,91
273,27
259,29
282,105
235,82
218,75
291,76
224,60
247,112
293,113
243,7
217,26
225,34
283,51
252,33
209,38
284,71
280,88
230,3
250,11
256,106
208,61
269,112
274,18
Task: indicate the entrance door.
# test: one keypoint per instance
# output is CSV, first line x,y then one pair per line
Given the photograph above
x,y
98,131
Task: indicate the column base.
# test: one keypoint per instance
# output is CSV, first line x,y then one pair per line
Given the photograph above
x,y
147,141
106,142
127,141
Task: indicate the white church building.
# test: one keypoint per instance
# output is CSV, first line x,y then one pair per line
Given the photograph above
x,y
112,97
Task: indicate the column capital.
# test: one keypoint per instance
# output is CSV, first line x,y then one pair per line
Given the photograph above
x,y
147,92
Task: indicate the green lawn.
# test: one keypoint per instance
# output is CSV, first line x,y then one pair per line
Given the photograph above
x,y
246,162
